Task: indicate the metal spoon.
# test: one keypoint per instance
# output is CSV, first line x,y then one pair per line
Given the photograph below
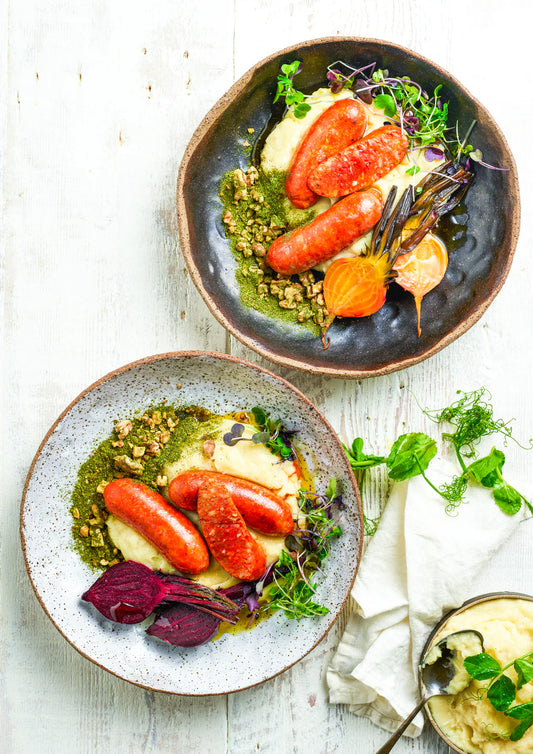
x,y
436,679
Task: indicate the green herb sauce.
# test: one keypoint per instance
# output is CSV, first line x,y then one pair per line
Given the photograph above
x,y
256,211
155,438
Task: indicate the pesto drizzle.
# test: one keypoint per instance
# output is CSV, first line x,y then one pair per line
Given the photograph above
x,y
256,212
138,448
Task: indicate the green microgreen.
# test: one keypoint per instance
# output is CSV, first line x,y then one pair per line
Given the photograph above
x,y
308,548
293,98
272,433
422,116
501,691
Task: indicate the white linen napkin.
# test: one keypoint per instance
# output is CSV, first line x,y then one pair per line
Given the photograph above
x,y
420,564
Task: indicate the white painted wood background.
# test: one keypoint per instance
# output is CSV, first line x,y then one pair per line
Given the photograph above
x,y
98,102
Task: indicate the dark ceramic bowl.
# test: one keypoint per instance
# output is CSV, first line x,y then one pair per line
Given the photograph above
x,y
388,340
431,640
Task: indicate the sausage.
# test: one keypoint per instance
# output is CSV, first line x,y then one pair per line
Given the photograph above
x,y
261,508
226,534
360,164
167,529
338,126
326,235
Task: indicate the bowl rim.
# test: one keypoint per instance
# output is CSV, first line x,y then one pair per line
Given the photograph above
x,y
222,357
489,597
211,119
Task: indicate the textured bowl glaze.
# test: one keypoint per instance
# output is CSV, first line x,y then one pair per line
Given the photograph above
x,y
221,384
388,340
469,603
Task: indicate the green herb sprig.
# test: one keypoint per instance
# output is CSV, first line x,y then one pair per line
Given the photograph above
x,y
293,98
292,589
472,416
501,691
291,593
272,433
426,115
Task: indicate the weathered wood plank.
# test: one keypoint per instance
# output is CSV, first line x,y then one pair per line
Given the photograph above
x,y
101,100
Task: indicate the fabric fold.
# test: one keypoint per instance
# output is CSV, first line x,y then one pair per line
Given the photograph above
x,y
421,563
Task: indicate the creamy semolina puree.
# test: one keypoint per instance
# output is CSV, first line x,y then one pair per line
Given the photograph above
x,y
473,724
253,462
285,138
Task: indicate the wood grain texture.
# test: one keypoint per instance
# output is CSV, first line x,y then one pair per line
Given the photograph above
x,y
99,100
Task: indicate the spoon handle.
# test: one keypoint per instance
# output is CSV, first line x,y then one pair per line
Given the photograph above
x,y
393,740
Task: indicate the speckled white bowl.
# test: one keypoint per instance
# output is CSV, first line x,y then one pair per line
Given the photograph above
x,y
219,383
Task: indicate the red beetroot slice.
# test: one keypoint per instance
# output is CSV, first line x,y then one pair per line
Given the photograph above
x,y
129,592
184,626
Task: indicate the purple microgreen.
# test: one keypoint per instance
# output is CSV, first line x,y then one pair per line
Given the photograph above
x,y
361,90
491,167
433,153
234,435
337,81
477,156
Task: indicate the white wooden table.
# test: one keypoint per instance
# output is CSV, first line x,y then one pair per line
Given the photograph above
x,y
99,101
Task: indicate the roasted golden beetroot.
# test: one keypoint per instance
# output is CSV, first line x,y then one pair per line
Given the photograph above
x,y
421,270
357,286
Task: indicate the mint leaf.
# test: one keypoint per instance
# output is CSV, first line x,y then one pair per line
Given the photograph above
x,y
501,693
410,455
387,103
482,666
524,671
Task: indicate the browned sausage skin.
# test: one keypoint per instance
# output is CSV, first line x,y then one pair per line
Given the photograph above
x,y
261,508
360,164
336,128
330,232
226,534
168,530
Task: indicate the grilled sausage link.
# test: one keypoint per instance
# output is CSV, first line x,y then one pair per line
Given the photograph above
x,y
326,235
360,164
261,508
226,534
338,127
167,529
